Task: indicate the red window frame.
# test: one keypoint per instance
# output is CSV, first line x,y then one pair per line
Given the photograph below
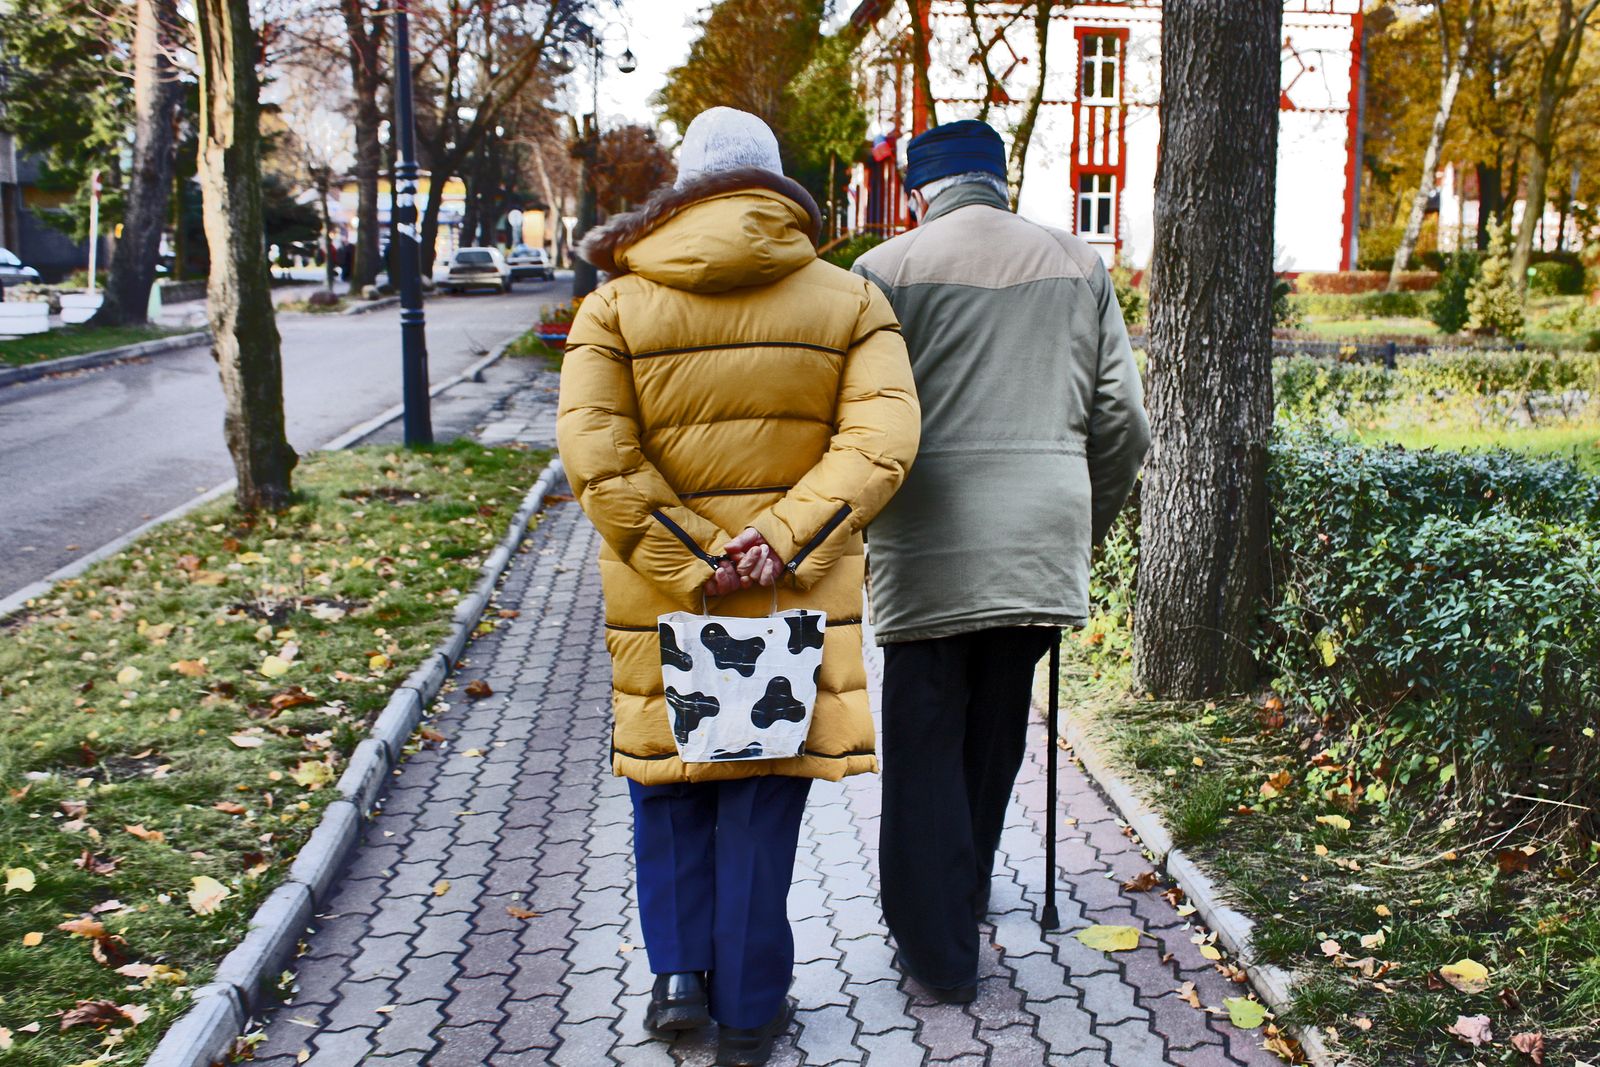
x,y
1109,122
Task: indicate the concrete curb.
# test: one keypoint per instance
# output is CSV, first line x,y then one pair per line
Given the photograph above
x,y
372,305
1234,929
34,371
18,600
204,1033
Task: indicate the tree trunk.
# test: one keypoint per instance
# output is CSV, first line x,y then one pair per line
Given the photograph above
x,y
1024,134
1449,84
1488,200
1203,542
1555,85
239,290
919,59
156,95
366,76
437,179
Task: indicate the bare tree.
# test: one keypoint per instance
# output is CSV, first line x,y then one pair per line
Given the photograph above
x,y
920,57
1022,137
238,292
365,30
156,95
1203,541
1454,51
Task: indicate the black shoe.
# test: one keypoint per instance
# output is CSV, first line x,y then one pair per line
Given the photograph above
x,y
965,993
678,1002
741,1047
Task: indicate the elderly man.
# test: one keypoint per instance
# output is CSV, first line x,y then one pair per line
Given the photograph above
x,y
1033,429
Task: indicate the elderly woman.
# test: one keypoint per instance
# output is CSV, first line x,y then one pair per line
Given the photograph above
x,y
733,412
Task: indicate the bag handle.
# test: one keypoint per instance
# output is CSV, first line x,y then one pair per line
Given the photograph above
x,y
705,607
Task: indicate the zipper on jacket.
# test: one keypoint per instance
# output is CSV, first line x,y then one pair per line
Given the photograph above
x,y
822,535
688,542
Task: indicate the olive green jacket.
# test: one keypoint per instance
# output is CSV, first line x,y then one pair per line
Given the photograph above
x,y
1033,423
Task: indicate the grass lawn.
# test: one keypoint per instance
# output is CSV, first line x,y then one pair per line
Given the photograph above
x,y
76,341
1578,442
1334,329
529,346
172,721
1368,904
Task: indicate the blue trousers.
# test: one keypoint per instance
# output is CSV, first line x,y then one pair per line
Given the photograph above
x,y
715,860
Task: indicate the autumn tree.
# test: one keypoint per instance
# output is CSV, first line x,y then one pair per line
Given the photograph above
x,y
1457,25
1204,500
630,165
365,28
238,291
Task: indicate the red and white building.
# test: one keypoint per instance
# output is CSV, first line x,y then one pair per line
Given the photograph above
x,y
1091,165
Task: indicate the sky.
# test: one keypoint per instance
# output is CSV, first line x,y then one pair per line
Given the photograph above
x,y
659,32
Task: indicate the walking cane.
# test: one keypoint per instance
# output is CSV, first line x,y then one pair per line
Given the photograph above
x,y
1050,919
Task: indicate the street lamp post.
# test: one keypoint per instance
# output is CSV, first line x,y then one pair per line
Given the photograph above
x,y
406,251
584,276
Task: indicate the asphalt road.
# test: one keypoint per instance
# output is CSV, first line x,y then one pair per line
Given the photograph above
x,y
85,458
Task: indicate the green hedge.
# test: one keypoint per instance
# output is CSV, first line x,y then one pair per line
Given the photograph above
x,y
1437,610
1362,305
847,252
1486,387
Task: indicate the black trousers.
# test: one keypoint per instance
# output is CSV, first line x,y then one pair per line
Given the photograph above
x,y
955,719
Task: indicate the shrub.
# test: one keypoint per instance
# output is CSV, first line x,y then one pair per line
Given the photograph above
x,y
1129,296
1286,314
1435,610
851,249
1495,301
1448,308
1556,274
1376,305
1363,281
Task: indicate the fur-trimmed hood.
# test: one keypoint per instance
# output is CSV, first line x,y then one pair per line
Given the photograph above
x,y
722,231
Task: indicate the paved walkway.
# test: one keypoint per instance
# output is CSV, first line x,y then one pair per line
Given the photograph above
x,y
489,916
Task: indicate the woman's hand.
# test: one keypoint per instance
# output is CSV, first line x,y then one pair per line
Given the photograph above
x,y
754,560
724,581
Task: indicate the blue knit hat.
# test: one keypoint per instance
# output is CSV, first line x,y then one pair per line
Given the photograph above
x,y
954,148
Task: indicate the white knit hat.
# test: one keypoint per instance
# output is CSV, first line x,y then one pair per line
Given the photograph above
x,y
725,138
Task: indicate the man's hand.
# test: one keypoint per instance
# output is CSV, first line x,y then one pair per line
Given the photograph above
x,y
754,560
725,581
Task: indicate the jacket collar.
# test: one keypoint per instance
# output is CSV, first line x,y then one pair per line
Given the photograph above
x,y
965,195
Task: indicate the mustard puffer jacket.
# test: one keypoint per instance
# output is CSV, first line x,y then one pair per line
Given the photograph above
x,y
724,378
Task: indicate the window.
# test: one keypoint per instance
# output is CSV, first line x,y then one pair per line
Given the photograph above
x,y
1097,197
1101,71
475,257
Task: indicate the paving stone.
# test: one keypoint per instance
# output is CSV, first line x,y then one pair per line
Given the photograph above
x,y
550,831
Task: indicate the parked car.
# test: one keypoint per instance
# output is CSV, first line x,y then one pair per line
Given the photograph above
x,y
528,262
477,268
13,272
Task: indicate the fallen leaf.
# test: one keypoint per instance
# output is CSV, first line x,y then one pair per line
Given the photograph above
x,y
74,809
190,668
1475,1030
378,662
1245,1013
83,926
1142,883
1530,1045
1382,911
1469,976
207,895
441,888
107,905
1362,1023
274,667
95,1013
1211,952
1338,822
128,675
137,970
1512,860
477,689
1330,947
6,1040
292,697
312,774
386,1009
509,613
1187,994
246,740
229,807
32,939
1372,940
138,830
520,913
20,879
1109,938
93,864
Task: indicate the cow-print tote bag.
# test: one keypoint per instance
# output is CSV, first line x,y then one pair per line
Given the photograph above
x,y
741,689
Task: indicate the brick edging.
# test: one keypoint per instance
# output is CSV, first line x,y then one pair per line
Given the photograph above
x,y
47,367
203,1034
1233,928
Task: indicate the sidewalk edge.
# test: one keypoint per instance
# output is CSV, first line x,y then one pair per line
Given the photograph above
x,y
10,605
45,368
276,928
1233,928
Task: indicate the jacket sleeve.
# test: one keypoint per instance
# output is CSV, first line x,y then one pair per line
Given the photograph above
x,y
1119,432
877,424
597,426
